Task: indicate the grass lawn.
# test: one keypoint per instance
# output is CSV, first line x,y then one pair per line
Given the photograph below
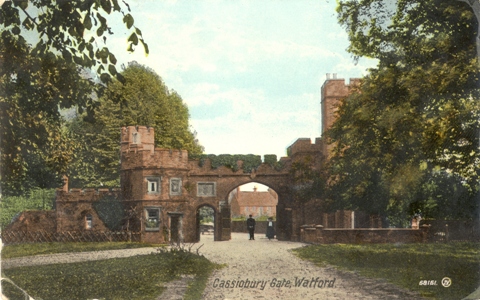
x,y
19,250
138,277
406,265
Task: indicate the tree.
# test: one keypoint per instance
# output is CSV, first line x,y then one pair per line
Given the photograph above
x,y
72,29
415,114
44,47
34,148
143,99
206,214
475,6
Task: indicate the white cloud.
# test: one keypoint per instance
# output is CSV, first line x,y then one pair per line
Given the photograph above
x,y
226,58
250,127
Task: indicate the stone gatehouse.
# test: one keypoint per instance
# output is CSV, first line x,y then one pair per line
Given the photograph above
x,y
162,190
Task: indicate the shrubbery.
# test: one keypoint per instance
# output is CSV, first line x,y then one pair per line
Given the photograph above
x,y
38,199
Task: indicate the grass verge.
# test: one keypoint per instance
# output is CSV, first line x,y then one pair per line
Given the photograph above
x,y
407,265
20,250
138,277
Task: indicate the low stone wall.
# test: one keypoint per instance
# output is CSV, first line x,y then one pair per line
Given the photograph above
x,y
316,234
260,226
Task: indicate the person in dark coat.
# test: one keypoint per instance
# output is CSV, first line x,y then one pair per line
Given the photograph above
x,y
270,229
251,227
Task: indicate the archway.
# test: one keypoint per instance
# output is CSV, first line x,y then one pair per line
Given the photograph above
x,y
205,222
254,199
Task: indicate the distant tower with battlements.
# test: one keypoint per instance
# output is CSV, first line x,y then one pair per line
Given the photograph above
x,y
333,91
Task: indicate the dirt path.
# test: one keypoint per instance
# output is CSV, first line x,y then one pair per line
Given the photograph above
x,y
259,269
264,269
65,258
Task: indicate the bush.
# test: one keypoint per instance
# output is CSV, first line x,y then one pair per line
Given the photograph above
x,y
37,199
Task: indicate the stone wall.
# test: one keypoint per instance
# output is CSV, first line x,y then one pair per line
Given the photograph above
x,y
73,207
350,219
316,234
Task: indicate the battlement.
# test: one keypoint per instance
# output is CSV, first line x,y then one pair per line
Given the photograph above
x,y
87,194
304,145
338,87
333,90
158,158
137,138
228,167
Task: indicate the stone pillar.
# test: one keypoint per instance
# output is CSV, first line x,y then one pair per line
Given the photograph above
x,y
319,234
225,222
65,183
425,230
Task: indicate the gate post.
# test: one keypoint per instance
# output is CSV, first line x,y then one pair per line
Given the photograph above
x,y
284,223
225,222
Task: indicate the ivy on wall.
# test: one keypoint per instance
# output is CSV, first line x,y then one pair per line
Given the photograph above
x,y
110,210
271,160
250,161
308,183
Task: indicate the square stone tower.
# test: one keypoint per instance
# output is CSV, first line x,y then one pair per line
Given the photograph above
x,y
333,91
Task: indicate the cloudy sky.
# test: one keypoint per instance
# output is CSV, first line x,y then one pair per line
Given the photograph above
x,y
249,71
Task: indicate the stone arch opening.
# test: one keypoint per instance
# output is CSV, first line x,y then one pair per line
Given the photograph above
x,y
253,198
206,222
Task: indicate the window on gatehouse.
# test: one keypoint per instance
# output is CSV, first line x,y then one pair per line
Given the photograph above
x,y
153,185
175,186
152,219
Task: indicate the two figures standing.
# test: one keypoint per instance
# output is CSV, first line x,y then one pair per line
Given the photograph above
x,y
251,228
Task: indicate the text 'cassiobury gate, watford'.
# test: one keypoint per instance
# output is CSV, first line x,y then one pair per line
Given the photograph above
x,y
297,282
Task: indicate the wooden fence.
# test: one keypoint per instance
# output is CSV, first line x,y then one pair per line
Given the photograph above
x,y
19,237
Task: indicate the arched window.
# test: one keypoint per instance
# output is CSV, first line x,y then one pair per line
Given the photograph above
x,y
88,221
136,138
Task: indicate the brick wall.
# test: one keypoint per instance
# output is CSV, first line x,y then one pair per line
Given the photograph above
x,y
319,235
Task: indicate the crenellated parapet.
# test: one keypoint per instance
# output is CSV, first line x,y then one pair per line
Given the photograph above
x,y
332,92
157,159
137,138
233,164
87,194
138,151
305,146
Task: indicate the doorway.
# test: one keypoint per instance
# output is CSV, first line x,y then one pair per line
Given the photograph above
x,y
176,228
205,223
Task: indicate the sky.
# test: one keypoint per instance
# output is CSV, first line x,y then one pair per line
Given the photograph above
x,y
250,72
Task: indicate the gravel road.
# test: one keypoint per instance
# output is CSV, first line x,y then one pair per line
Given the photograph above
x,y
268,270
260,269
